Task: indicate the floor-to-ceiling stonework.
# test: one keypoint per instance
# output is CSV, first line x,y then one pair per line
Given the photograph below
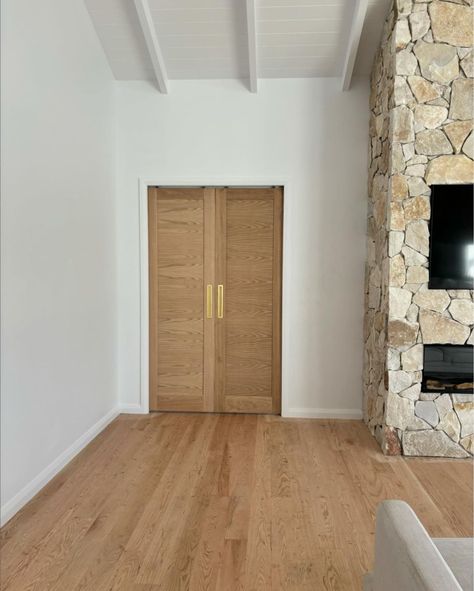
x,y
421,134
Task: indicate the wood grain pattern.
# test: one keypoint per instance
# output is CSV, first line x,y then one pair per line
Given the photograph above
x,y
181,224
277,297
206,502
215,237
249,266
209,403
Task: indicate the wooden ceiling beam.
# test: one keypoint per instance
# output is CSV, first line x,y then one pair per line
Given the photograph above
x,y
151,39
252,44
358,19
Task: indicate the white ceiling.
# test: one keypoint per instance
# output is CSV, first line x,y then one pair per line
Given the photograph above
x,y
202,39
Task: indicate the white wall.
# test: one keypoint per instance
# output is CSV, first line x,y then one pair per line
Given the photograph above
x,y
58,241
306,131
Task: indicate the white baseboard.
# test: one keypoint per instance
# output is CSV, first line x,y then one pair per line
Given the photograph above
x,y
9,509
131,409
323,413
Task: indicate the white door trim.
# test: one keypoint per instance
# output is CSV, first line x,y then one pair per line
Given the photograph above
x,y
144,288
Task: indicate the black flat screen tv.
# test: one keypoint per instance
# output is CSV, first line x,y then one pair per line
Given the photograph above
x,y
451,261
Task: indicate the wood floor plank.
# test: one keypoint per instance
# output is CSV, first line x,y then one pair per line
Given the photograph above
x,y
454,496
197,502
346,521
153,542
258,561
96,556
209,553
55,548
231,574
32,529
63,488
178,574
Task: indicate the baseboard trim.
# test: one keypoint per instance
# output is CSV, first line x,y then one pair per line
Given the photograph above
x,y
9,509
324,413
131,409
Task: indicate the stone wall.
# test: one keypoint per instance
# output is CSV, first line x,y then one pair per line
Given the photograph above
x,y
421,133
376,273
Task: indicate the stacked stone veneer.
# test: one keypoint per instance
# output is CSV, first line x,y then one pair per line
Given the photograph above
x,y
421,133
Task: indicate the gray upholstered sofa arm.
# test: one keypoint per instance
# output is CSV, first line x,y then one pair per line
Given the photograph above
x,y
405,556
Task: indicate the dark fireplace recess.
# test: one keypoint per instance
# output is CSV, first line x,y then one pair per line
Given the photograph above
x,y
448,368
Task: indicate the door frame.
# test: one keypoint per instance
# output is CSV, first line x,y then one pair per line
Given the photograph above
x,y
183,182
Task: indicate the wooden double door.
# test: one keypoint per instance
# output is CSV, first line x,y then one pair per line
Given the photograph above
x,y
215,299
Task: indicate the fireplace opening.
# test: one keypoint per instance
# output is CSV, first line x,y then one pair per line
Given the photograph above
x,y
448,368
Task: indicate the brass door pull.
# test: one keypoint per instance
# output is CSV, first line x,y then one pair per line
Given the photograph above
x,y
220,301
209,301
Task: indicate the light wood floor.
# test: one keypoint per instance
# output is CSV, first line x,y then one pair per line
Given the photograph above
x,y
168,502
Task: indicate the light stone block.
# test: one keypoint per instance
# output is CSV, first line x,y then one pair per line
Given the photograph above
x,y
438,62
401,34
397,271
408,151
465,412
462,99
459,294
417,208
398,187
462,311
457,132
417,236
413,392
448,170
431,443
395,243
450,425
399,302
417,275
402,124
405,63
463,397
412,257
374,297
437,329
415,170
426,410
470,340
399,412
443,404
398,381
432,142
430,116
467,64
397,218
468,147
412,360
401,334
468,443
428,396
451,23
432,299
412,314
417,187
423,90
419,24
393,359
401,92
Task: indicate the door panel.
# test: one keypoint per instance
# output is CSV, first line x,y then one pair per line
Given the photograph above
x,y
206,353
178,222
248,265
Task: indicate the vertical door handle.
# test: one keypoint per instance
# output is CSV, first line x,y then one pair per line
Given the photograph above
x,y
220,301
209,301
